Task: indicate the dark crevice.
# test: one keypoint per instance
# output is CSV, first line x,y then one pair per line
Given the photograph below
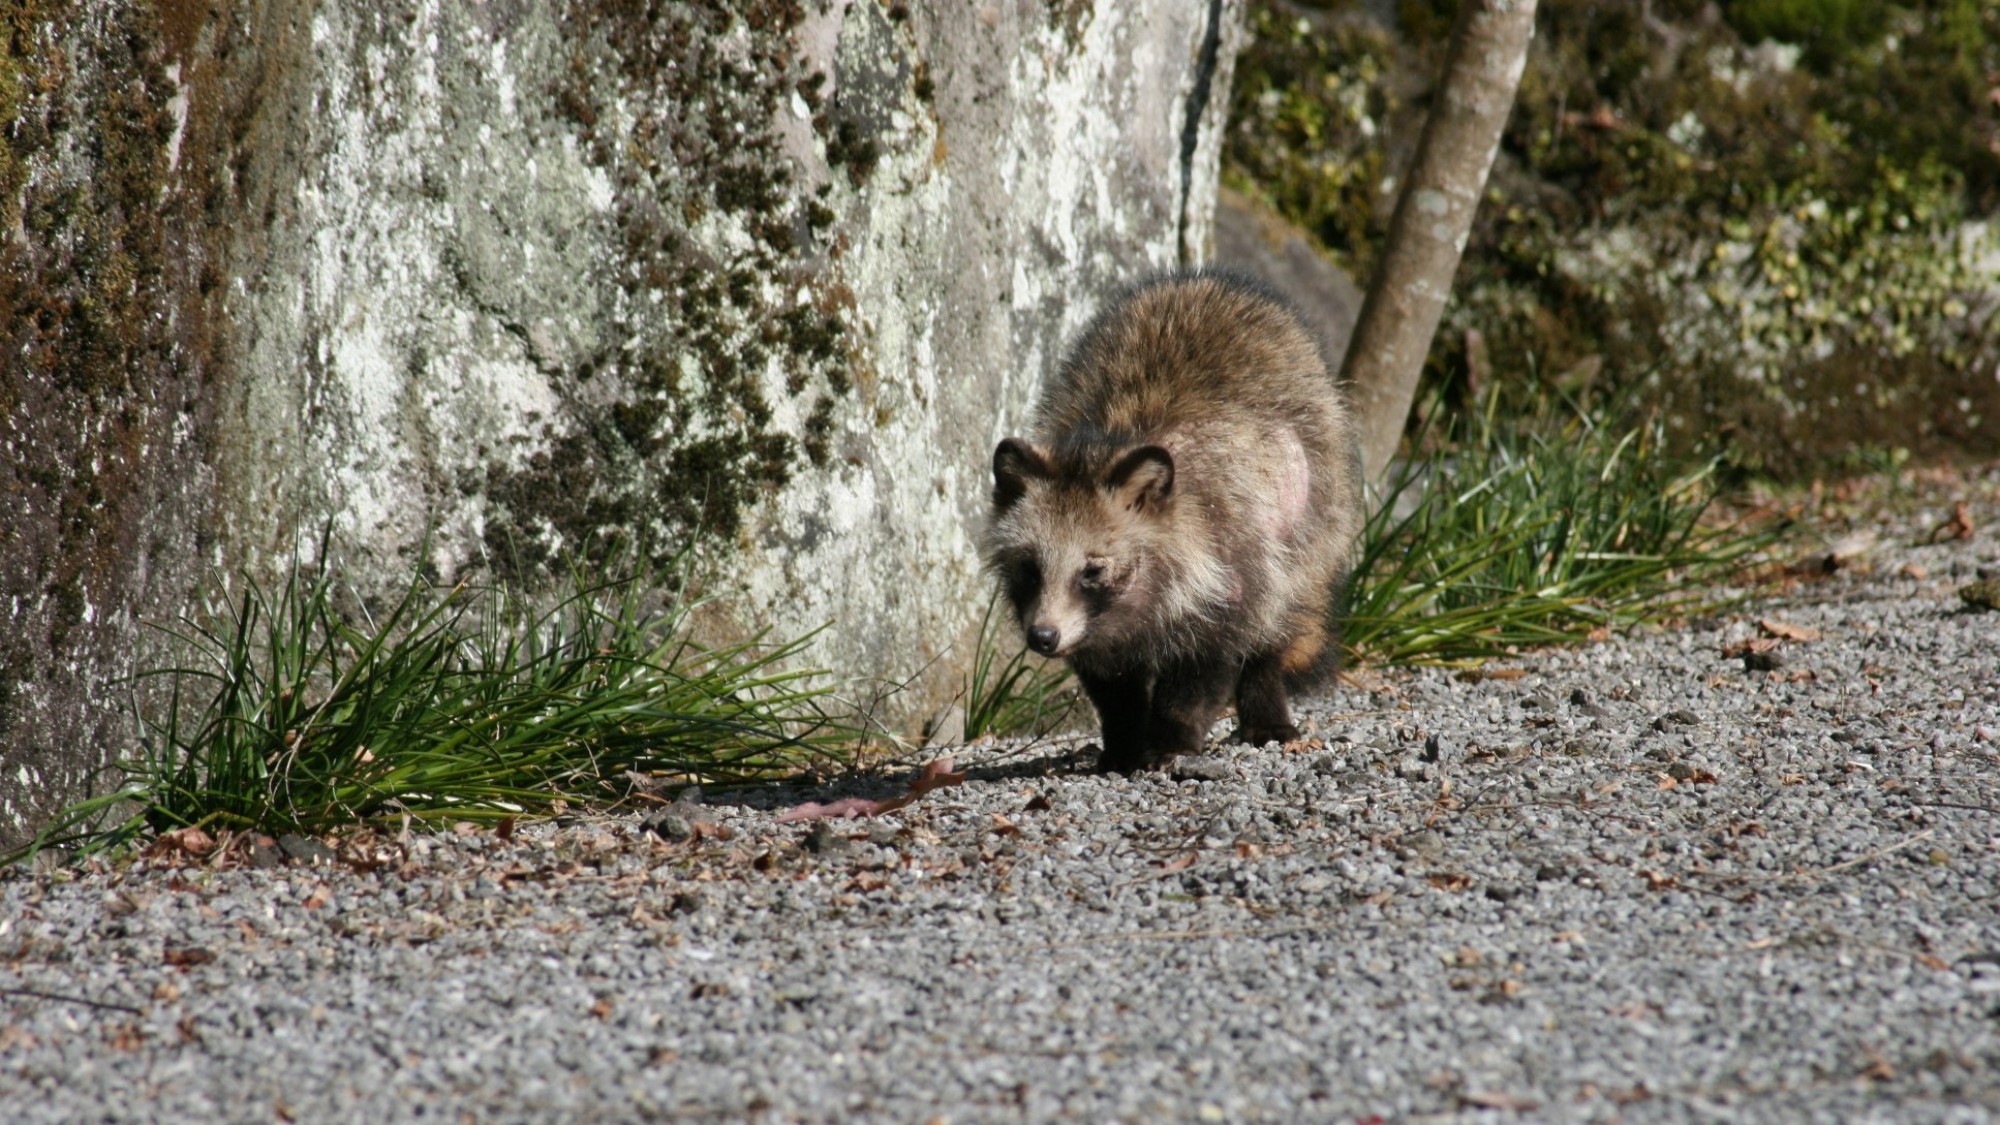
x,y
1197,108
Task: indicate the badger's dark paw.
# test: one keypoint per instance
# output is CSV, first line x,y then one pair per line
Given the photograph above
x,y
1264,733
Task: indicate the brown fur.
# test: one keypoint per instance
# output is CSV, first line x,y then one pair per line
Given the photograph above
x,y
1183,514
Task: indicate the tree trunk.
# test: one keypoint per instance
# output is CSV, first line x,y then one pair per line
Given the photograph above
x,y
1489,48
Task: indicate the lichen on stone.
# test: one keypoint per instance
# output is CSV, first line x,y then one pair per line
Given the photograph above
x,y
725,346
103,327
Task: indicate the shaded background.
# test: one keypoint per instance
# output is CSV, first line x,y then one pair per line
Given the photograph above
x,y
1767,219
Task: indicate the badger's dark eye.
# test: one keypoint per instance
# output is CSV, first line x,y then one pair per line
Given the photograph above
x,y
1023,576
1093,573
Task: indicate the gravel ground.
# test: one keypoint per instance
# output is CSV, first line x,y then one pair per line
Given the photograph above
x,y
1638,881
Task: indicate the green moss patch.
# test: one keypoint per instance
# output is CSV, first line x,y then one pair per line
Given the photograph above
x,y
1756,218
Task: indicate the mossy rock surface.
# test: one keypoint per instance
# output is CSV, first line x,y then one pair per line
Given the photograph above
x,y
488,289
1781,245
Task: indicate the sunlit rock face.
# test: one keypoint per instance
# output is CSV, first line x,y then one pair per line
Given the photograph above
x,y
482,287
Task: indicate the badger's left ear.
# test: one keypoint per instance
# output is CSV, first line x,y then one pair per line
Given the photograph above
x,y
1015,463
1143,479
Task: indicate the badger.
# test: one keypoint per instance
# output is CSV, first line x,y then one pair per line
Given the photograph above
x,y
1182,515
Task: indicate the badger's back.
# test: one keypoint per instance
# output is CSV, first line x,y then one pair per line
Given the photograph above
x,y
1170,354
1224,375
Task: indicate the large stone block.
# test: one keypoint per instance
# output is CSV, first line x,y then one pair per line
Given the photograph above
x,y
502,283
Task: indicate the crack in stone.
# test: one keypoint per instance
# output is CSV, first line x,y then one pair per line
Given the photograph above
x,y
1197,108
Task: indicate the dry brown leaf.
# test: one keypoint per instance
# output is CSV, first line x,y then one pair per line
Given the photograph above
x,y
1785,630
1749,645
1475,675
187,956
936,775
1179,863
190,842
1959,526
644,783
321,895
1638,1093
1448,880
601,1009
12,1036
1492,1100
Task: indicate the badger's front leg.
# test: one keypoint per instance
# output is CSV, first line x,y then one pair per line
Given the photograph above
x,y
1120,700
1187,699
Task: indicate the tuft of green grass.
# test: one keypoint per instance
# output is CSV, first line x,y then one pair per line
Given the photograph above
x,y
1535,527
459,703
1015,693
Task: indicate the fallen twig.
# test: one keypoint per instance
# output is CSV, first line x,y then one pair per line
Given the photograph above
x,y
60,998
1821,872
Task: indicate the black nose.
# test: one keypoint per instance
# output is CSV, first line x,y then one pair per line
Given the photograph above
x,y
1044,639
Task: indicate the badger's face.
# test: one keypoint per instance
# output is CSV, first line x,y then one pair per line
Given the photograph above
x,y
1073,548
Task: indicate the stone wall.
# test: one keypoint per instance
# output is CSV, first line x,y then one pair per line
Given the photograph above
x,y
507,282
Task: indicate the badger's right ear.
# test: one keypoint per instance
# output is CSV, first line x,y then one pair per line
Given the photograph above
x,y
1015,463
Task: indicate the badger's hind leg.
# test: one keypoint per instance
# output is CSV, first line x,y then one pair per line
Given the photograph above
x,y
1263,706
